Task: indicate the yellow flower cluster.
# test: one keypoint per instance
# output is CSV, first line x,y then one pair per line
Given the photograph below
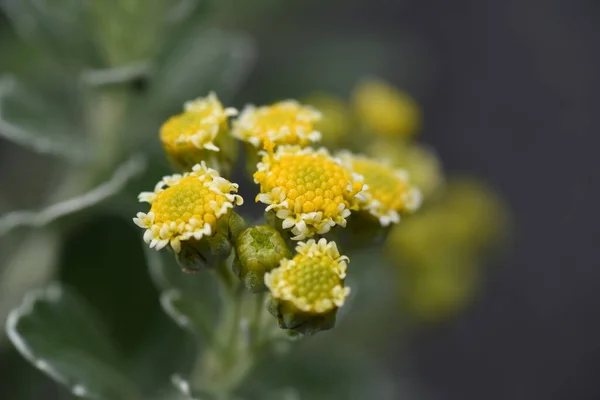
x,y
310,190
307,190
312,281
286,122
186,206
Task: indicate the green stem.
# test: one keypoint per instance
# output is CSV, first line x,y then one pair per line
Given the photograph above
x,y
224,363
226,279
257,320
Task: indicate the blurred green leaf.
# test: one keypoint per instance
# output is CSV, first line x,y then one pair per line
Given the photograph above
x,y
58,333
123,174
203,60
127,31
23,269
102,257
189,299
184,389
30,120
187,313
168,275
58,28
324,370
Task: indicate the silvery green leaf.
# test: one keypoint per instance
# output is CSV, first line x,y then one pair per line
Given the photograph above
x,y
58,333
187,298
24,269
187,313
58,27
115,75
168,275
121,177
127,31
38,125
203,60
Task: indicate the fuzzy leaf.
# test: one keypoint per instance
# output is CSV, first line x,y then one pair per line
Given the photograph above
x,y
28,119
122,176
186,298
58,333
202,61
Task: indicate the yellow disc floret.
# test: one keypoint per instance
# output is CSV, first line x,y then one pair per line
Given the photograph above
x,y
389,191
308,189
186,206
313,281
196,129
286,122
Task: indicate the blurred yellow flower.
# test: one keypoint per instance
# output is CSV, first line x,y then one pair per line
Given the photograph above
x,y
312,281
384,110
441,290
308,189
185,207
389,191
286,122
420,161
189,137
336,122
465,221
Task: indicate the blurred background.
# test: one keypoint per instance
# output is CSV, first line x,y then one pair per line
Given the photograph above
x,y
509,94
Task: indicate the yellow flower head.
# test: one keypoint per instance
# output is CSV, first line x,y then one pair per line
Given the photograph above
x,y
312,281
187,135
384,110
286,122
186,206
308,189
389,191
421,162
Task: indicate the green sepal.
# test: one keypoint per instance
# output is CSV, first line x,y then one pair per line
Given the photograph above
x,y
205,253
291,318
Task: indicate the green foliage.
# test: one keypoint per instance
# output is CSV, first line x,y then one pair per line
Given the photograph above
x,y
57,331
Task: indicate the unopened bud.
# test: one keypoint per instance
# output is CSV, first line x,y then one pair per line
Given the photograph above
x,y
259,250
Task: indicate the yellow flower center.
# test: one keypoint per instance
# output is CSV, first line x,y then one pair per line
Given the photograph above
x,y
186,206
189,129
190,199
313,280
196,128
307,189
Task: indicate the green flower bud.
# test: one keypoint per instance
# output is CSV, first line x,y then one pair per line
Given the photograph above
x,y
259,249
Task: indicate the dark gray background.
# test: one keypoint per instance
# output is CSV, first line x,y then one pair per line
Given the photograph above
x,y
518,102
